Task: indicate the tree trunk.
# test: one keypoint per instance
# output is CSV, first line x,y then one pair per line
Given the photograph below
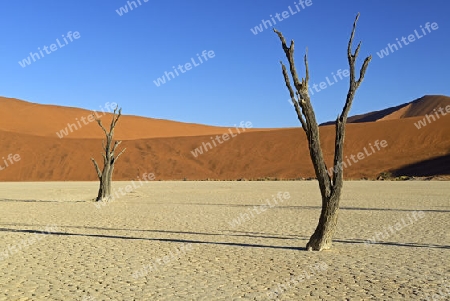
x,y
322,237
104,191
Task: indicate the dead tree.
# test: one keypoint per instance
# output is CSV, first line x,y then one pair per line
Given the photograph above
x,y
109,158
330,185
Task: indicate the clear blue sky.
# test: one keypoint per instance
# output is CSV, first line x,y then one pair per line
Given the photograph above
x,y
118,58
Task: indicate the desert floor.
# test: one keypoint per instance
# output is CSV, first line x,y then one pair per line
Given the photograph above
x,y
176,241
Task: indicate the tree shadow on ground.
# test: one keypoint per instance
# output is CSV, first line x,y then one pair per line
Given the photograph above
x,y
38,201
311,207
273,236
362,241
234,244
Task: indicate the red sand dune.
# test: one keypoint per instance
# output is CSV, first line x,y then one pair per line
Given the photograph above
x,y
23,117
278,153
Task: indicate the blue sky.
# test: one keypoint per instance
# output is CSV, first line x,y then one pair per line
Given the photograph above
x,y
118,58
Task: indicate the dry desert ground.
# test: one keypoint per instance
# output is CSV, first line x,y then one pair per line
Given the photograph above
x,y
207,241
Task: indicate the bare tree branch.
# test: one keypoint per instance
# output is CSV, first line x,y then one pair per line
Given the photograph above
x,y
350,42
306,69
362,72
117,157
309,122
97,169
289,52
342,120
115,119
101,125
294,100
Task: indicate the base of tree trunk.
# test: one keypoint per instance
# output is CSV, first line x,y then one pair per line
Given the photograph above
x,y
322,239
103,199
104,191
317,243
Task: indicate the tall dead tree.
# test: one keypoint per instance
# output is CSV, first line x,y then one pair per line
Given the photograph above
x,y
109,158
330,185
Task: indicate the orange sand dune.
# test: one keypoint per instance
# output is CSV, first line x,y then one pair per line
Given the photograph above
x,y
419,107
426,105
279,153
46,120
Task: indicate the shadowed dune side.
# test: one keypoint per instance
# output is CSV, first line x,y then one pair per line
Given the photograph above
x,y
426,105
431,167
372,116
378,115
419,107
398,114
277,153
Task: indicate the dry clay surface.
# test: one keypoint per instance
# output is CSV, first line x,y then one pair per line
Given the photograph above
x,y
177,241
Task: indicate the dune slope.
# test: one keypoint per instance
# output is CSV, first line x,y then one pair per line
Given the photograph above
x,y
419,107
277,153
23,117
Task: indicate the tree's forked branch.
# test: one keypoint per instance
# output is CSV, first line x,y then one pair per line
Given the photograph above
x,y
305,83
354,84
101,125
350,41
115,119
300,86
342,118
289,52
116,144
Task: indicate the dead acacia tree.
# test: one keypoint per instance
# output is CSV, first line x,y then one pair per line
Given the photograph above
x,y
330,184
109,158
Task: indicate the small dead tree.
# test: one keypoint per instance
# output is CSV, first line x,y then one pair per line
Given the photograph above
x,y
109,158
330,184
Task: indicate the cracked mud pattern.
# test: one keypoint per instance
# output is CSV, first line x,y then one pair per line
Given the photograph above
x,y
206,241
